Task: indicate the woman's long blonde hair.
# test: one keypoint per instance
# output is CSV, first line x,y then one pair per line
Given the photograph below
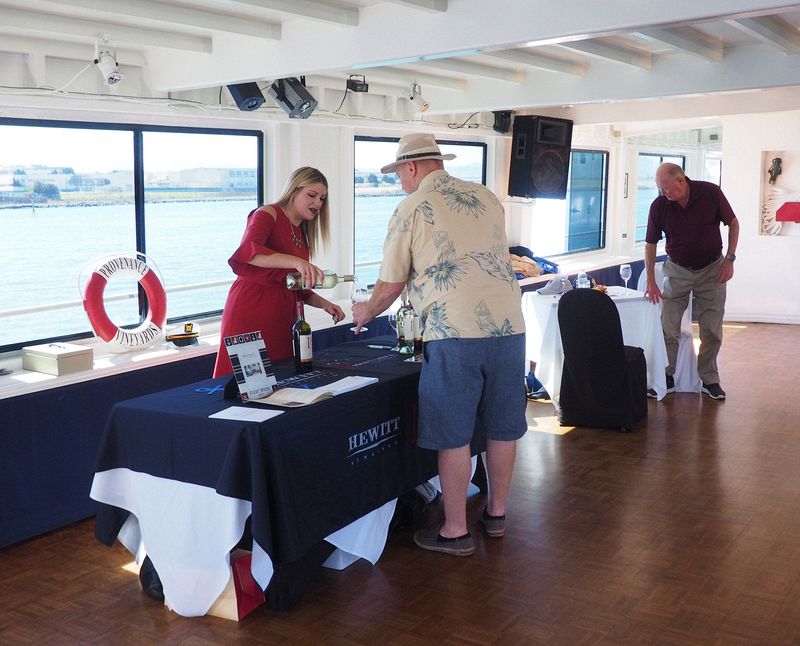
x,y
318,230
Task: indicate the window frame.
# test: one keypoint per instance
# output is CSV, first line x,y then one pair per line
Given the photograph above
x,y
661,157
567,206
604,195
138,130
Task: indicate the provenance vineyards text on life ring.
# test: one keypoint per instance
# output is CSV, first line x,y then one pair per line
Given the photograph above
x,y
151,329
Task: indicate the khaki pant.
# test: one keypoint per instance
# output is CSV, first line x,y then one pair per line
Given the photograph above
x,y
709,306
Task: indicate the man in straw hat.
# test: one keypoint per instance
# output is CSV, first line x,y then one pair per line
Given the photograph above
x,y
446,242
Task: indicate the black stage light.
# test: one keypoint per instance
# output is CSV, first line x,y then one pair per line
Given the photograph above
x,y
293,97
502,121
247,96
357,83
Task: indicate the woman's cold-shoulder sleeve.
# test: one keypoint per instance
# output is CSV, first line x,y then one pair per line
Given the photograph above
x,y
260,225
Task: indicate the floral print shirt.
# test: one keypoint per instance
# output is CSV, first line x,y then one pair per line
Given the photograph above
x,y
447,240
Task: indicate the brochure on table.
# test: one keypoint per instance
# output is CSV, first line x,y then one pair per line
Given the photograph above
x,y
293,397
252,367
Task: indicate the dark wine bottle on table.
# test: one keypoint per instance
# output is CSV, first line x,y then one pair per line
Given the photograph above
x,y
301,338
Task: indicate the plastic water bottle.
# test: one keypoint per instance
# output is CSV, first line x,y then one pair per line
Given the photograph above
x,y
565,286
582,281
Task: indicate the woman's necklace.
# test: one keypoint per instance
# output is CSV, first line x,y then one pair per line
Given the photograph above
x,y
297,242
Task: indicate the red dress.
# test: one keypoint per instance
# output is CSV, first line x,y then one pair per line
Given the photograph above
x,y
259,298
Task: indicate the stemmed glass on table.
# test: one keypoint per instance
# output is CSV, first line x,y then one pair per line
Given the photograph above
x,y
359,293
625,273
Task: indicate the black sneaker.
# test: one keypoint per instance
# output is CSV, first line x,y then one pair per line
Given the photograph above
x,y
713,390
670,388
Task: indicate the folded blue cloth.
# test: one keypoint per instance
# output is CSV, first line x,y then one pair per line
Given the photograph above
x,y
533,383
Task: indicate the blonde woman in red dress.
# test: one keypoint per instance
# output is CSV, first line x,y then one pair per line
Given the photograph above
x,y
279,239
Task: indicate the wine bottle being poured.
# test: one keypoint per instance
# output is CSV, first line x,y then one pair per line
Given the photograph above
x,y
329,279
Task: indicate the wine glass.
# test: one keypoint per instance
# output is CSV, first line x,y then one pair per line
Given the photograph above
x,y
359,293
625,273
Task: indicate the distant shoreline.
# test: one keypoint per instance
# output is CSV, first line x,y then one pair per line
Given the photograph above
x,y
370,192
49,205
378,191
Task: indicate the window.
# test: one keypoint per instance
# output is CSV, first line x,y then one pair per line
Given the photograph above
x,y
69,196
578,222
646,190
712,168
377,195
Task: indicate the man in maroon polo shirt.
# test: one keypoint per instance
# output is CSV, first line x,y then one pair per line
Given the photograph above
x,y
689,213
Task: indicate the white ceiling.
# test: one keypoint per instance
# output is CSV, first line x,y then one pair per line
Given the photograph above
x,y
466,55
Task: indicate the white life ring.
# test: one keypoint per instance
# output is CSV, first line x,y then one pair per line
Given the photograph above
x,y
151,330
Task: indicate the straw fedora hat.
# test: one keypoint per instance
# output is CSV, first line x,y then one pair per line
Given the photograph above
x,y
416,147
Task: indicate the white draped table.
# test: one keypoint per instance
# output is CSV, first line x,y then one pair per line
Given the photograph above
x,y
641,327
188,530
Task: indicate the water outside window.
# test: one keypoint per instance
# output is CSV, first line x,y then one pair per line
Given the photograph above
x,y
199,189
67,200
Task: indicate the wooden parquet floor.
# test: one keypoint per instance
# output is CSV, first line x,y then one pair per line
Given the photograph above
x,y
685,531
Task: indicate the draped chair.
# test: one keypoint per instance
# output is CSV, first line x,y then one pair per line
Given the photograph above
x,y
604,382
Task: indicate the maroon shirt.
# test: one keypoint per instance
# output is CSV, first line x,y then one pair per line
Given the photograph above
x,y
693,235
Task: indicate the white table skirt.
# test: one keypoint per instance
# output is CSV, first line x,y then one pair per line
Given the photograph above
x,y
641,327
189,530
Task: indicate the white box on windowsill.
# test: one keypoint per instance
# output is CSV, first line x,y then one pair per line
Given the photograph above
x,y
57,358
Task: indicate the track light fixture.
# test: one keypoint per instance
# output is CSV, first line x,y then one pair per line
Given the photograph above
x,y
106,62
415,96
357,83
291,94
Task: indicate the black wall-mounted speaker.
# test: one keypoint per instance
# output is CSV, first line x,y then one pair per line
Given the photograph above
x,y
540,149
247,96
291,94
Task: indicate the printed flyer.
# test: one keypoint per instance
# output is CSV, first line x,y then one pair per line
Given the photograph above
x,y
252,367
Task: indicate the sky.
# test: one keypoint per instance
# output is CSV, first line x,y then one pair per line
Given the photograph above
x,y
103,151
372,155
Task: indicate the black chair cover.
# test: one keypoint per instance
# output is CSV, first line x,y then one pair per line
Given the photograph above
x,y
604,382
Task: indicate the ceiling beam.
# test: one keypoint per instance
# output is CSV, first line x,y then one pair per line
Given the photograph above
x,y
50,23
772,30
626,56
688,39
538,61
181,15
408,76
307,9
459,66
429,5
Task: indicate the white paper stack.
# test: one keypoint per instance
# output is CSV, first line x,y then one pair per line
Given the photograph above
x,y
346,384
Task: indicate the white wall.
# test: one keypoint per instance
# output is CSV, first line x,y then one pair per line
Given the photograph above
x,y
765,286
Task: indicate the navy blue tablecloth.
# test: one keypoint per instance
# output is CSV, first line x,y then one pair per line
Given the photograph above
x,y
308,472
